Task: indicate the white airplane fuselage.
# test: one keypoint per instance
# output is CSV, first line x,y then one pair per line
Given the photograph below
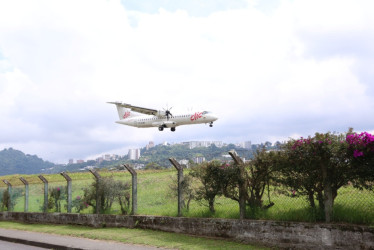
x,y
141,117
147,121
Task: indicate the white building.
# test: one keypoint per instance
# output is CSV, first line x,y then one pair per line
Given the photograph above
x,y
184,162
199,159
248,144
195,144
134,154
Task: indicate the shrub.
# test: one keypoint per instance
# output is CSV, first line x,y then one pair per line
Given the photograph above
x,y
56,194
361,158
257,175
107,190
316,167
188,192
211,178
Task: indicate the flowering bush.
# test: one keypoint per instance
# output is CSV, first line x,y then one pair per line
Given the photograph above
x,y
361,157
312,164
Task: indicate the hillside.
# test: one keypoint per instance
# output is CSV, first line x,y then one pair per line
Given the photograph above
x,y
16,162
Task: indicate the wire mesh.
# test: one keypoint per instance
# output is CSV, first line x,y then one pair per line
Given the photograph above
x,y
157,195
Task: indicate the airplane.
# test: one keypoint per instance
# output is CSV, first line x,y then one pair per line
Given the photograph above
x,y
146,118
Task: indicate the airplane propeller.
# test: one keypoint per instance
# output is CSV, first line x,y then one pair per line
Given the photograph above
x,y
168,114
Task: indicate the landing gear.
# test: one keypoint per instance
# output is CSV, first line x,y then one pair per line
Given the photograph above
x,y
211,124
160,128
172,129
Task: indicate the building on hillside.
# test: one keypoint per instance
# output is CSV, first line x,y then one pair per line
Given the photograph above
x,y
195,144
184,162
138,166
134,154
199,159
151,144
247,144
71,161
80,161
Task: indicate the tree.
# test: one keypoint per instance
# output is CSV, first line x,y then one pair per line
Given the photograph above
x,y
361,157
56,194
108,191
152,165
257,175
187,190
316,167
210,177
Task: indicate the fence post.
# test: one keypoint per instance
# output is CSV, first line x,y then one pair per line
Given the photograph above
x,y
68,179
134,188
10,207
26,193
179,168
44,180
242,183
98,201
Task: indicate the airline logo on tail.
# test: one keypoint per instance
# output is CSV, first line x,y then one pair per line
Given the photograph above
x,y
127,114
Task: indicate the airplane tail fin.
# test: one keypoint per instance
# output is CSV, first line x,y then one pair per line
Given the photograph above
x,y
123,112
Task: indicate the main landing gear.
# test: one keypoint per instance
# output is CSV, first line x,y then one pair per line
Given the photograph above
x,y
211,124
161,128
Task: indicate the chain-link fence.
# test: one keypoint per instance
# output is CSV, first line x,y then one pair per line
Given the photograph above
x,y
157,195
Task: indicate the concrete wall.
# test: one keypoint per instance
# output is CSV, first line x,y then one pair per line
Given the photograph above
x,y
271,233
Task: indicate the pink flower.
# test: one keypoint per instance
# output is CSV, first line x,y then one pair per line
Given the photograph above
x,y
357,153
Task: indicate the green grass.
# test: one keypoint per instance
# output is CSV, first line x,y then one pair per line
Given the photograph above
x,y
155,198
133,236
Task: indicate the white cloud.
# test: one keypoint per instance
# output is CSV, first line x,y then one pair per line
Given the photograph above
x,y
267,74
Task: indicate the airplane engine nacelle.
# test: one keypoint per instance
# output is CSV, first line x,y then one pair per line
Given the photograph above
x,y
161,113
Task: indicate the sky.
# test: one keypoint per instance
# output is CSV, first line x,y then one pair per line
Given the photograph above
x,y
270,70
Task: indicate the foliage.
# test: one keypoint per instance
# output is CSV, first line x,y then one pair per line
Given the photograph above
x,y
8,200
256,176
160,154
361,158
16,162
211,178
152,165
78,205
107,190
188,191
56,195
312,165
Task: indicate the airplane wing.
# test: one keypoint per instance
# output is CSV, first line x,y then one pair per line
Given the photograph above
x,y
137,109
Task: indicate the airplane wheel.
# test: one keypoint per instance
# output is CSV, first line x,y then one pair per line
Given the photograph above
x,y
160,128
172,129
211,125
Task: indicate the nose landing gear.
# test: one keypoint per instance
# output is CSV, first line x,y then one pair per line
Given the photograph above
x,y
211,124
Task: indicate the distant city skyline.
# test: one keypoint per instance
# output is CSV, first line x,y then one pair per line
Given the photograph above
x,y
134,153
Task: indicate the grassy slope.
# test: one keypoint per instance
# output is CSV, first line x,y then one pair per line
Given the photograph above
x,y
133,236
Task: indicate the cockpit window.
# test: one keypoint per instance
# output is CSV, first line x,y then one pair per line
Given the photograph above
x,y
206,112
